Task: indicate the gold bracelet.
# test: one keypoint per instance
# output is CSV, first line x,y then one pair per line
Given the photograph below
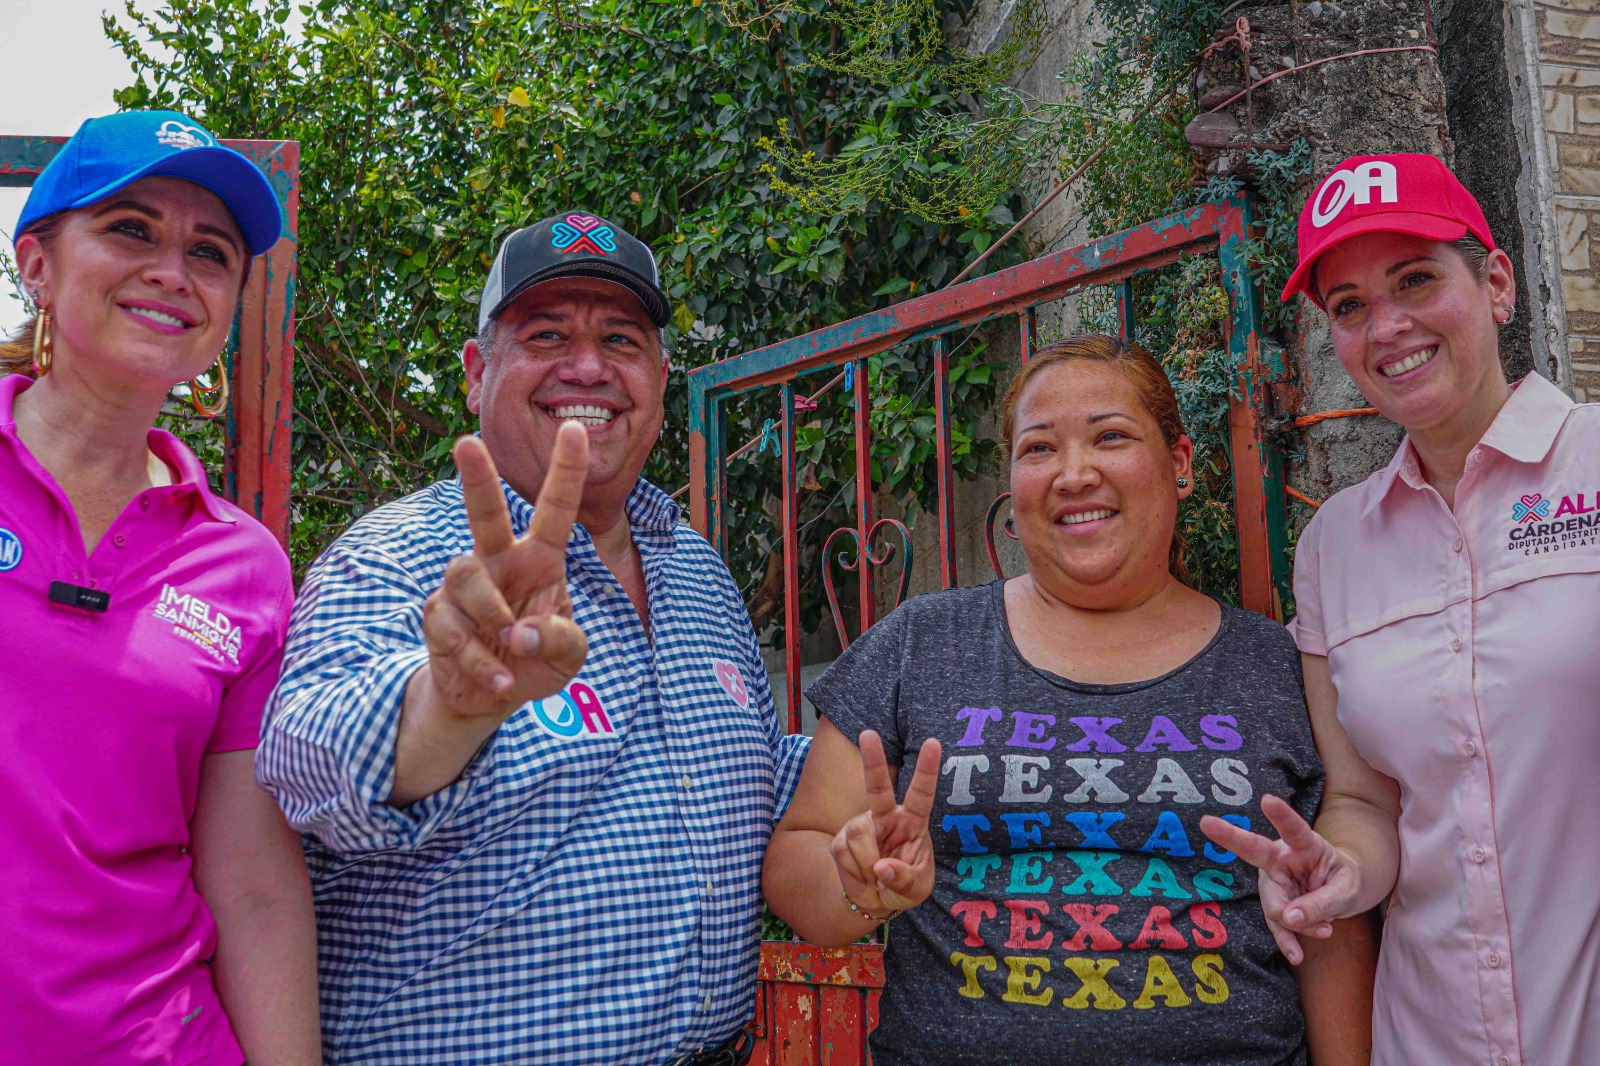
x,y
848,902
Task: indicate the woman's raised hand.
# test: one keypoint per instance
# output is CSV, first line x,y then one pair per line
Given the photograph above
x,y
885,854
1306,883
499,630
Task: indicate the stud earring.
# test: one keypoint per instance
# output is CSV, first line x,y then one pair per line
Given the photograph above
x,y
1183,482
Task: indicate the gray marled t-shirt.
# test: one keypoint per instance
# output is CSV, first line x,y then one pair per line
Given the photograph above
x,y
1078,914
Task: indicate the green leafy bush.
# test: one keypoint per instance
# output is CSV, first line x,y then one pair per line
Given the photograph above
x,y
430,129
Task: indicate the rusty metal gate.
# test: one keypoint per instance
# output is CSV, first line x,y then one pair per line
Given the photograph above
x,y
816,1006
261,350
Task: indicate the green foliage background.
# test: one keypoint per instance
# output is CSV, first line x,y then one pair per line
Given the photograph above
x,y
431,128
1128,98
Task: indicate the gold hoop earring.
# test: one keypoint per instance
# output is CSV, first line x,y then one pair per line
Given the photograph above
x,y
210,400
44,333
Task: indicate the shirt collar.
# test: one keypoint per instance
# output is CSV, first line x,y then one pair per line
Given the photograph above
x,y
190,475
1524,430
648,509
1526,427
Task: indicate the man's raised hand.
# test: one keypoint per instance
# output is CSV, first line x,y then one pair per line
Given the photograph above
x,y
1305,882
885,855
499,630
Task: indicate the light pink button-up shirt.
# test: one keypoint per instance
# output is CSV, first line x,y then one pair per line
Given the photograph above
x,y
1465,649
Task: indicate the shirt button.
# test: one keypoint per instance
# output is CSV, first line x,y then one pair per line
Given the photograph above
x,y
709,890
608,590
1479,855
1457,545
1505,1060
687,782
118,539
144,503
707,1004
1494,960
1455,643
1471,748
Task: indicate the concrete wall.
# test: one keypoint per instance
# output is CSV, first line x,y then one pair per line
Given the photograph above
x,y
1558,51
1067,32
1366,104
1488,123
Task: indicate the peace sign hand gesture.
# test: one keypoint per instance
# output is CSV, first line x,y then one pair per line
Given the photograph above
x,y
885,854
499,630
1306,883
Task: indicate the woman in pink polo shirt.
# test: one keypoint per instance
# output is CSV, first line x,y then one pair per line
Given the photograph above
x,y
1448,612
155,906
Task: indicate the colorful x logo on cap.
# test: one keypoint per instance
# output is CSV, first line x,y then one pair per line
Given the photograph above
x,y
583,233
1530,507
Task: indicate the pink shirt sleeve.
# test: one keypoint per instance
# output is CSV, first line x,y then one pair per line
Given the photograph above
x,y
238,725
1306,625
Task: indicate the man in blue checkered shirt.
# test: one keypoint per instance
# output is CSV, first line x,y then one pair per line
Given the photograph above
x,y
522,854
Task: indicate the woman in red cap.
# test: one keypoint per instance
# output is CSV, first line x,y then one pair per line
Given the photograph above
x,y
1448,609
155,904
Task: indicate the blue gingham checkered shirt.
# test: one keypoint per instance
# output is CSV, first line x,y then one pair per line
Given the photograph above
x,y
579,895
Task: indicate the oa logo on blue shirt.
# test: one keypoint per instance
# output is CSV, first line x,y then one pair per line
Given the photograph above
x,y
10,550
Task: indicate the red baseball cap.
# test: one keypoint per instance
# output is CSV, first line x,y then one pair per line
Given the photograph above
x,y
1401,193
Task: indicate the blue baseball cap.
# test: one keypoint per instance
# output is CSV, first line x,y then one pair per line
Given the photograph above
x,y
110,153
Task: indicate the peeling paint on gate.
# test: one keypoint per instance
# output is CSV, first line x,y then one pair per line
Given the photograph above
x,y
1219,228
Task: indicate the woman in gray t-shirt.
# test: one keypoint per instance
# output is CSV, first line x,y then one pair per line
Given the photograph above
x,y
1065,731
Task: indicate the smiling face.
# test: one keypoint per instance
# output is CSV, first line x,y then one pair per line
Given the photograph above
x,y
1094,491
1415,327
141,287
571,348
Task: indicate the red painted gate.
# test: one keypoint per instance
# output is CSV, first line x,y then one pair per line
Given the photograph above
x,y
816,1006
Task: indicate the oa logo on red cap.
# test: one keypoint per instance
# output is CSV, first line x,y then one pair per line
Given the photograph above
x,y
1354,185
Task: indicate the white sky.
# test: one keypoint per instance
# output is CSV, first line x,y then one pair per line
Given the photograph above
x,y
56,69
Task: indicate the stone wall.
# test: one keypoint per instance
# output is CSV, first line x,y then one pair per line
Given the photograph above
x,y
1564,35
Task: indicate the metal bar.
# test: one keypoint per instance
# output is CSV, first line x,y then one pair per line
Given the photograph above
x,y
1027,333
791,561
864,576
22,159
259,453
1004,292
719,510
703,459
1264,570
947,488
1125,309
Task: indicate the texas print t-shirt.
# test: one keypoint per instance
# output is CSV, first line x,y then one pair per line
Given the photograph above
x,y
1078,914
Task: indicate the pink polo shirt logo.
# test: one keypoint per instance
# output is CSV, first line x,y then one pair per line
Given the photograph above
x,y
194,620
10,550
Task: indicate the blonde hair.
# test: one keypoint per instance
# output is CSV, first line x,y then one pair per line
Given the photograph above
x,y
16,351
1142,371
